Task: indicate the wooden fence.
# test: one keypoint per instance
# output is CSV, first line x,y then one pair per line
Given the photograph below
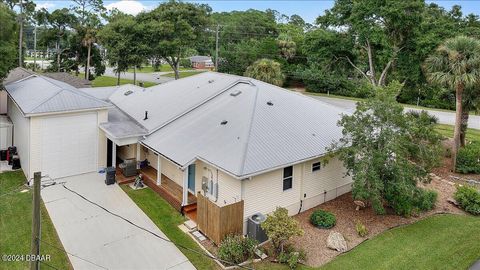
x,y
217,222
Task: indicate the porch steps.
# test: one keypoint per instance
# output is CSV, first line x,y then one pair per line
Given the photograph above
x,y
190,211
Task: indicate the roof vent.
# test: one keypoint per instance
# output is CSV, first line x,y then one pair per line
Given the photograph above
x,y
210,81
146,115
269,103
224,122
129,92
236,93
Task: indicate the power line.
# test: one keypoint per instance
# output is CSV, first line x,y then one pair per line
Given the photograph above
x,y
13,190
76,256
155,234
49,265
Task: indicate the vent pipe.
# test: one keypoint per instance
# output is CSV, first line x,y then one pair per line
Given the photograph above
x,y
146,115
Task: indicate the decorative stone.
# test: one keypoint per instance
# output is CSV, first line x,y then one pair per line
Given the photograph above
x,y
337,242
452,201
359,204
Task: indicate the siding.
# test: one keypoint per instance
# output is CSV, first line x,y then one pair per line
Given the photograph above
x,y
127,152
229,188
21,135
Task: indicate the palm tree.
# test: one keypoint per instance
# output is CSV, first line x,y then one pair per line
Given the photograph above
x,y
87,41
266,70
455,65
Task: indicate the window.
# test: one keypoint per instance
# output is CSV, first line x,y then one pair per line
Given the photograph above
x,y
287,178
316,166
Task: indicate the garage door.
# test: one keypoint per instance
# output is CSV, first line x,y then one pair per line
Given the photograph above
x,y
69,145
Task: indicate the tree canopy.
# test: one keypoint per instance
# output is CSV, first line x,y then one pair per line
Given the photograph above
x,y
7,41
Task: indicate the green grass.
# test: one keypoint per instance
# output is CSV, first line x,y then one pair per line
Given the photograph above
x,y
183,74
437,242
16,225
447,131
149,69
112,81
167,219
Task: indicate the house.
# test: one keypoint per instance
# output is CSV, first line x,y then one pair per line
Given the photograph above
x,y
201,62
224,137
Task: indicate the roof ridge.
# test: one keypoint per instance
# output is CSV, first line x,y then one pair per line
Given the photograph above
x,y
246,146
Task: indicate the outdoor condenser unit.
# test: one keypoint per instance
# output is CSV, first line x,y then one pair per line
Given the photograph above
x,y
254,230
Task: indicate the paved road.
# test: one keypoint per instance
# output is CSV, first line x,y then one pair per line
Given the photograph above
x,y
146,77
443,116
107,241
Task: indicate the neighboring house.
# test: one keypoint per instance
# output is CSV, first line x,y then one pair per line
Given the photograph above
x,y
228,137
201,62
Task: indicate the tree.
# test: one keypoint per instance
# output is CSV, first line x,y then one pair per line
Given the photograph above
x,y
455,65
387,152
266,70
173,28
7,41
382,30
279,227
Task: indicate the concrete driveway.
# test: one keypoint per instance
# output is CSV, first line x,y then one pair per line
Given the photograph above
x,y
106,240
444,117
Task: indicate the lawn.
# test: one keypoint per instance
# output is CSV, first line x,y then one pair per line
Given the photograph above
x,y
183,74
167,219
16,225
437,242
112,81
447,131
149,69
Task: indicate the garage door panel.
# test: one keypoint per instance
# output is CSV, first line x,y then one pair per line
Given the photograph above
x,y
69,145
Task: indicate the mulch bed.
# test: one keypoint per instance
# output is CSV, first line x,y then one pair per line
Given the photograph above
x,y
314,240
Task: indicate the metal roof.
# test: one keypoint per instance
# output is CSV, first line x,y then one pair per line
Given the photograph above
x,y
249,128
166,102
200,58
104,93
38,94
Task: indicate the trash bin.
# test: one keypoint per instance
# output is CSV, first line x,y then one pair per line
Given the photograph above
x,y
110,176
15,162
3,154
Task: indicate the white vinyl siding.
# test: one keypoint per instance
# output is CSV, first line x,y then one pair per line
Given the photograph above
x,y
21,135
229,188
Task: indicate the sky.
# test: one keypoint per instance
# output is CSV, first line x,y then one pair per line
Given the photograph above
x,y
309,10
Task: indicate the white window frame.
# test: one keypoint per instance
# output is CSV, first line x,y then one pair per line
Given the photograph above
x,y
286,178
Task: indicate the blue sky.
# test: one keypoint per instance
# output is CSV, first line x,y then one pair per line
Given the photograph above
x,y
309,10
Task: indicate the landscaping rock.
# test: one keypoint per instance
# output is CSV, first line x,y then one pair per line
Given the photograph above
x,y
359,204
337,242
452,201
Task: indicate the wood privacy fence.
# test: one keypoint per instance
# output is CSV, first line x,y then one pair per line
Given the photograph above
x,y
217,222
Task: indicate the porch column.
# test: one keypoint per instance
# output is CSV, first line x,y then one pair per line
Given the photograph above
x,y
114,154
159,170
185,187
138,155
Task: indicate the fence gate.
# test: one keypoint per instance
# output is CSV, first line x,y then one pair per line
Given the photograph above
x,y
217,222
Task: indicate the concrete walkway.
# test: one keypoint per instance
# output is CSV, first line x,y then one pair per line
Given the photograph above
x,y
444,117
97,236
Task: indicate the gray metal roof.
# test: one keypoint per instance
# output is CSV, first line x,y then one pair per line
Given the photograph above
x,y
68,78
257,136
167,101
38,94
104,93
120,125
200,58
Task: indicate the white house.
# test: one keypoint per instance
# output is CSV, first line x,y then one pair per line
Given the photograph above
x,y
228,137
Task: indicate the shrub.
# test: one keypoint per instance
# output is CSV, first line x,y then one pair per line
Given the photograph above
x,y
291,257
237,249
323,219
468,198
361,229
185,63
424,199
406,203
279,227
468,158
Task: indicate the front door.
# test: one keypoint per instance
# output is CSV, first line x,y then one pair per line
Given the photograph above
x,y
191,178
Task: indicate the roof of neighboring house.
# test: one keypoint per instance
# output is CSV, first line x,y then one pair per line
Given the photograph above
x,y
39,94
69,78
17,74
250,127
200,58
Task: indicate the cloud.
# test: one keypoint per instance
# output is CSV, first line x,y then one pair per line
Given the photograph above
x,y
45,5
128,6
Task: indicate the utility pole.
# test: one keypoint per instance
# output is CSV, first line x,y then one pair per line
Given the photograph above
x,y
35,48
37,178
216,48
20,36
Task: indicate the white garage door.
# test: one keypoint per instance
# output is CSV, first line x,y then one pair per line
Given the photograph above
x,y
69,145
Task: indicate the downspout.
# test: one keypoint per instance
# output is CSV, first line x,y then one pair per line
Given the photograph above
x,y
302,195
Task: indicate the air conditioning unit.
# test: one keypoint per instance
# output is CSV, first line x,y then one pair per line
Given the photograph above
x,y
254,229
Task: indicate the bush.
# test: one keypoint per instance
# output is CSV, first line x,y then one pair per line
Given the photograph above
x,y
424,199
468,158
185,63
291,257
468,198
361,229
280,227
407,203
323,219
237,249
